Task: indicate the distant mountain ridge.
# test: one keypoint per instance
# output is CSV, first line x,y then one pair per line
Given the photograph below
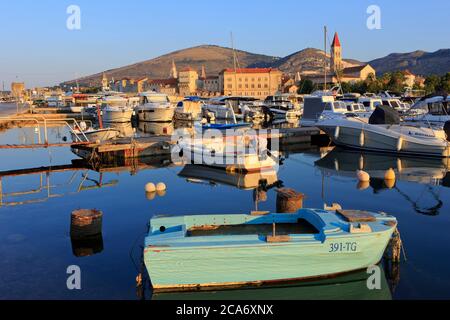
x,y
215,59
418,62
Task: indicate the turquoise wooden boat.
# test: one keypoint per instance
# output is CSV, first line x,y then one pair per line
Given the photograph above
x,y
207,252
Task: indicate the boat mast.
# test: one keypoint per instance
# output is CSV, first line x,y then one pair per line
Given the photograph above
x,y
325,60
234,63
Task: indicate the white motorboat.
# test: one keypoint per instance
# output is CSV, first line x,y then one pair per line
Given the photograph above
x,y
243,153
116,109
319,107
386,135
433,109
227,108
94,135
155,107
188,110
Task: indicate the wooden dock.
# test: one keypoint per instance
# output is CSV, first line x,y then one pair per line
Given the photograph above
x,y
162,145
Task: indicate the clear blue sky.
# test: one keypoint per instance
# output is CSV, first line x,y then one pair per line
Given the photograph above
x,y
36,47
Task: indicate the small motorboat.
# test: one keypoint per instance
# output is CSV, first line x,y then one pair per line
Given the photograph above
x,y
94,135
385,133
209,252
238,153
116,110
155,107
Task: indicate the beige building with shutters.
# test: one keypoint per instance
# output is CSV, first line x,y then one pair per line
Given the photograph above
x,y
251,82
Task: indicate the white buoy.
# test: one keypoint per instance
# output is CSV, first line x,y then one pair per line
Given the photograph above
x,y
150,187
362,176
362,139
361,162
161,187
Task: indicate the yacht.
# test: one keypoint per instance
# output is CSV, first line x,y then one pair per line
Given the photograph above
x,y
116,109
155,107
385,133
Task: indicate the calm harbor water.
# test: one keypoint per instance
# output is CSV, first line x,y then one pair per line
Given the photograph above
x,y
35,210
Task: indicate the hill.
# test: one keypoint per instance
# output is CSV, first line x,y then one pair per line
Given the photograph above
x,y
418,62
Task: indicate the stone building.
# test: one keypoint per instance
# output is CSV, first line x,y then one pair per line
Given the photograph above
x,y
166,86
187,81
130,85
252,82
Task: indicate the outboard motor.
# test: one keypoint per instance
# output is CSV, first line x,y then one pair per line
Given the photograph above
x,y
447,130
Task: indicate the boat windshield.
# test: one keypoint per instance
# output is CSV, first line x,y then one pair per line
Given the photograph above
x,y
340,106
156,99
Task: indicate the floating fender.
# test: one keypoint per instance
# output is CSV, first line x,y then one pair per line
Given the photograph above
x,y
336,165
400,143
362,138
361,162
399,165
389,174
336,133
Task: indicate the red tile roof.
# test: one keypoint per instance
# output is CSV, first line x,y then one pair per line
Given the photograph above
x,y
164,81
336,42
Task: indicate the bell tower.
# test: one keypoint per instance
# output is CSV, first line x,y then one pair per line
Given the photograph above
x,y
336,53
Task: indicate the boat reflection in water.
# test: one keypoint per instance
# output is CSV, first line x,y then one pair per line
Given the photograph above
x,y
421,170
125,129
431,172
249,181
352,286
155,128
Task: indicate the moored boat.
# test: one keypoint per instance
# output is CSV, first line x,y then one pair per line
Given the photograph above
x,y
155,107
116,109
208,252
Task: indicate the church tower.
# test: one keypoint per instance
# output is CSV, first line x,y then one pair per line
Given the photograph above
x,y
105,85
203,74
173,71
336,54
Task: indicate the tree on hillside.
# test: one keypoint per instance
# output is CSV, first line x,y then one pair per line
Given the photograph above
x,y
305,86
432,83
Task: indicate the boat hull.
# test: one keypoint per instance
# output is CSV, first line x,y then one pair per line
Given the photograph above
x,y
373,138
193,269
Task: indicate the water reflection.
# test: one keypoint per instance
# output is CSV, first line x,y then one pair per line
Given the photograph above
x,y
433,173
352,286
